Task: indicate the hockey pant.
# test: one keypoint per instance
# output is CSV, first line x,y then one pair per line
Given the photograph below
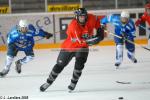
x,y
63,60
12,52
119,51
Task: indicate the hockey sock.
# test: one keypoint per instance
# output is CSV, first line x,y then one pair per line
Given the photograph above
x,y
26,59
76,76
9,61
53,75
119,53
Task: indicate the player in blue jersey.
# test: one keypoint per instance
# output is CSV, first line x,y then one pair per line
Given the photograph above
x,y
21,38
125,28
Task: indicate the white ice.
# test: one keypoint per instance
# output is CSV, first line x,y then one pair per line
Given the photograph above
x,y
98,81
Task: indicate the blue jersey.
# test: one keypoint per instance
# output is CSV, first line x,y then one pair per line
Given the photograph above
x,y
24,41
128,29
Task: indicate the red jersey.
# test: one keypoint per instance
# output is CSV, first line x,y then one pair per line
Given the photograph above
x,y
75,31
145,18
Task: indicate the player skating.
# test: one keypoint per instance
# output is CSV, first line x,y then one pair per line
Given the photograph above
x,y
21,38
80,36
125,28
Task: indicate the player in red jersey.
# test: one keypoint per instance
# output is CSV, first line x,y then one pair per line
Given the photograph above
x,y
145,18
80,36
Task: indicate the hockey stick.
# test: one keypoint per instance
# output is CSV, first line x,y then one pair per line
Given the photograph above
x,y
142,27
128,41
127,82
2,38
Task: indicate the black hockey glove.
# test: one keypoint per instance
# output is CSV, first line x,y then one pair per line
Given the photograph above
x,y
126,36
97,38
48,35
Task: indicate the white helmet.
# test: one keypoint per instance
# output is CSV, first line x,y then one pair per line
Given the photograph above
x,y
23,23
125,14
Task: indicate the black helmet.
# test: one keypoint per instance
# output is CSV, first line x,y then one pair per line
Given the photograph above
x,y
81,12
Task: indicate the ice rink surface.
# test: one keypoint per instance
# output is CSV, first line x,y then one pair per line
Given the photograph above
x,y
98,81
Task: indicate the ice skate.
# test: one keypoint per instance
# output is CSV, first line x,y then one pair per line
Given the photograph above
x,y
18,66
4,72
44,87
134,60
117,65
71,87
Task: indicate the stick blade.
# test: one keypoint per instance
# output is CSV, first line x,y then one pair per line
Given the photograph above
x,y
123,82
146,48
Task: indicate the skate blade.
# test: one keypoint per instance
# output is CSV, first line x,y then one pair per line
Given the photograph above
x,y
44,87
2,76
117,67
70,91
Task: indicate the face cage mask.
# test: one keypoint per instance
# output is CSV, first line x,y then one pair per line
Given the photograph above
x,y
84,22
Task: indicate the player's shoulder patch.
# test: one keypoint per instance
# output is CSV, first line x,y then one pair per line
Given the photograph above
x,y
14,31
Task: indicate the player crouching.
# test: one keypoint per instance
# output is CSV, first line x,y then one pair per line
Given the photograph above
x,y
21,38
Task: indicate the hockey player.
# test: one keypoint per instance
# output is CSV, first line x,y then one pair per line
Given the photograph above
x,y
20,38
124,27
80,36
145,18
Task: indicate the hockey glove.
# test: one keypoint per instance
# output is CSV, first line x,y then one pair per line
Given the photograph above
x,y
97,38
48,35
